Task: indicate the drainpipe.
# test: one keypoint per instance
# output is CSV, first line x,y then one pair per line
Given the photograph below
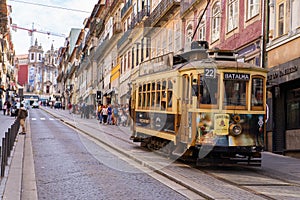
x,y
264,31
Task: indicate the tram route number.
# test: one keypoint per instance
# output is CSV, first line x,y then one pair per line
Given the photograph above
x,y
209,72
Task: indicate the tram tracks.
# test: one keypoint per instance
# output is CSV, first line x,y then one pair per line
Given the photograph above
x,y
195,183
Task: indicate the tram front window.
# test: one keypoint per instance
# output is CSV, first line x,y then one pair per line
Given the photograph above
x,y
235,93
208,90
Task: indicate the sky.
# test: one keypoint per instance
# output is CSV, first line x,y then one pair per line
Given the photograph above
x,y
48,19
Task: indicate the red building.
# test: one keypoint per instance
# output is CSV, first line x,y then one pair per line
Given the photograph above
x,y
227,24
22,66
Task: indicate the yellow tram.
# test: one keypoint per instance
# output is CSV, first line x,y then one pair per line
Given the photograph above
x,y
203,104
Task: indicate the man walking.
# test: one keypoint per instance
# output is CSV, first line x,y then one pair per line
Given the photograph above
x,y
22,115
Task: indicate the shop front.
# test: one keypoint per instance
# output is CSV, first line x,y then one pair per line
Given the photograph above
x,y
284,126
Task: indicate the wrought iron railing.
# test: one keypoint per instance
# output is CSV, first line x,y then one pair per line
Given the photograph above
x,y
126,8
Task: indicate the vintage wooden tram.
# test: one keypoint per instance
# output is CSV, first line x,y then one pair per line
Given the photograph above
x,y
201,104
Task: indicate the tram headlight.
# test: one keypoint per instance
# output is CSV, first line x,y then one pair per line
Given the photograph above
x,y
235,129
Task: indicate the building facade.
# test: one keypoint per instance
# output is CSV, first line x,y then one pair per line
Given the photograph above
x,y
283,61
8,74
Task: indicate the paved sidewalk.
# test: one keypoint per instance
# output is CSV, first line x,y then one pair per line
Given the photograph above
x,y
19,181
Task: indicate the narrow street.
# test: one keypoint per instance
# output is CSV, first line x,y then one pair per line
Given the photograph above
x,y
65,169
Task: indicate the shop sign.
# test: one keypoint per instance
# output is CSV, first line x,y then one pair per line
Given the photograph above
x,y
284,72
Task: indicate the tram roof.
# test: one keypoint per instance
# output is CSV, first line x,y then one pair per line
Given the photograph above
x,y
219,64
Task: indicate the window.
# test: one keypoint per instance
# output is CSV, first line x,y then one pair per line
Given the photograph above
x,y
189,34
142,50
148,46
257,92
158,46
293,108
132,58
216,21
140,96
129,60
252,8
32,56
137,54
153,94
170,94
202,29
163,95
232,19
208,90
281,19
122,66
158,93
235,93
164,41
170,39
148,95
177,37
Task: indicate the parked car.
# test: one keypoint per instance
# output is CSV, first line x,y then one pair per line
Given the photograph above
x,y
57,104
35,105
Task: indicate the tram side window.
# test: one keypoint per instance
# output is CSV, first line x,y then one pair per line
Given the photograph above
x,y
257,92
148,95
140,96
153,94
164,95
144,96
235,93
158,91
170,93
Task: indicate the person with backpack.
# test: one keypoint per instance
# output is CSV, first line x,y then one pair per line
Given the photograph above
x,y
22,115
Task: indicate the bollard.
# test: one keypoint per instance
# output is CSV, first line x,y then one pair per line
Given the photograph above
x,y
13,132
2,166
7,149
9,140
3,163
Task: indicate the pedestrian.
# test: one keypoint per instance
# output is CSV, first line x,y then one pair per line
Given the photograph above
x,y
70,107
4,107
8,107
99,112
109,114
116,114
104,114
22,115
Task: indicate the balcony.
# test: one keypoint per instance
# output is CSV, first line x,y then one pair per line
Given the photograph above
x,y
117,28
161,12
124,38
145,12
126,8
157,64
186,5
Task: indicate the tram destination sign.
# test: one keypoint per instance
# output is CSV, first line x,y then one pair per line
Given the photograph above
x,y
236,76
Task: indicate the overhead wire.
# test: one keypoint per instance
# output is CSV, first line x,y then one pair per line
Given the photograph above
x,y
50,6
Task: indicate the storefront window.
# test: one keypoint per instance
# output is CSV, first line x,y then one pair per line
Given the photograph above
x,y
293,109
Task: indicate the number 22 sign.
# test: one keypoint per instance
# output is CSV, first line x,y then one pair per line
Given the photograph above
x,y
209,72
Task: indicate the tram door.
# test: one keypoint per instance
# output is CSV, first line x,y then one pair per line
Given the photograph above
x,y
186,100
